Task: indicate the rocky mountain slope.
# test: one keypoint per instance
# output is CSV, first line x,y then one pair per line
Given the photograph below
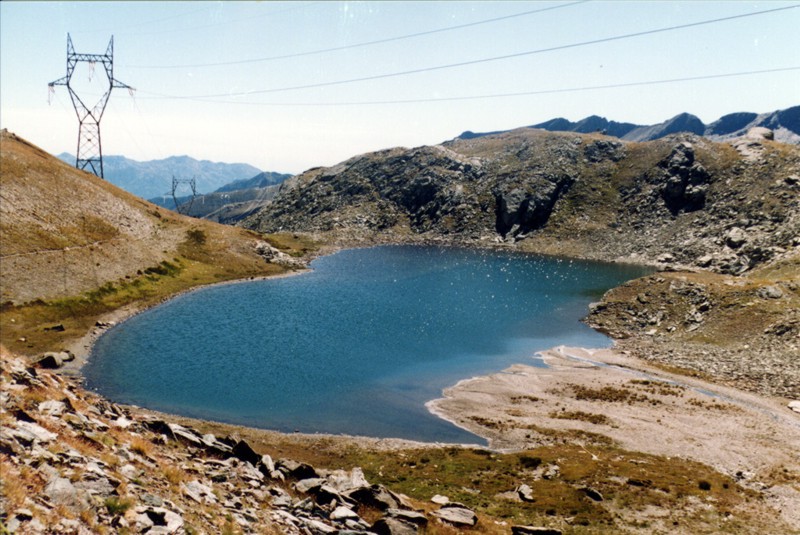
x,y
680,200
229,203
785,124
261,180
153,178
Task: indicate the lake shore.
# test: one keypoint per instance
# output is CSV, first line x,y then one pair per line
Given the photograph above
x,y
602,396
82,347
584,396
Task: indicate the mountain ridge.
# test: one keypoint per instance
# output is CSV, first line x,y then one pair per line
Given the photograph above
x,y
785,123
153,178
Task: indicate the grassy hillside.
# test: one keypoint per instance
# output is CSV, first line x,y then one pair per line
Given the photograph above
x,y
74,247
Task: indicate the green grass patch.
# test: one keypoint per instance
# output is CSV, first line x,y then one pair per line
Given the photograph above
x,y
296,245
22,327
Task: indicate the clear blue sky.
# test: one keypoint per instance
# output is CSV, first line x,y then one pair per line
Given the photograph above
x,y
253,109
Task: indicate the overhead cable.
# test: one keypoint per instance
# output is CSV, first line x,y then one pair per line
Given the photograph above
x,y
357,45
476,61
506,95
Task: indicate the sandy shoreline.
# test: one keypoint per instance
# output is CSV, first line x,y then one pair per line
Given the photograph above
x,y
602,396
698,420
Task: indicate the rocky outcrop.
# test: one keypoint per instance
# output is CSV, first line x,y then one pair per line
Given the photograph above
x,y
672,202
685,182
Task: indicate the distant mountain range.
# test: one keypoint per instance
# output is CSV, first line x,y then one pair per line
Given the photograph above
x,y
785,124
153,178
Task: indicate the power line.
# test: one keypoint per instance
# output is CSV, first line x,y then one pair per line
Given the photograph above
x,y
510,94
223,23
476,61
359,45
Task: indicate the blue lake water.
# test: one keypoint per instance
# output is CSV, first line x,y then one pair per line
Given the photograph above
x,y
357,346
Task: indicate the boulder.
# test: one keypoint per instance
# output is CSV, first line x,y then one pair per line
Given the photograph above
x,y
311,484
343,513
759,132
525,493
51,407
770,292
30,432
438,499
393,526
149,519
457,516
735,237
295,469
411,517
61,491
199,492
376,496
343,481
49,361
795,406
592,494
244,452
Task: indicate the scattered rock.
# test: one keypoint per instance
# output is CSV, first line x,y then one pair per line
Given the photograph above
x,y
794,405
51,360
376,496
411,517
393,526
457,516
343,513
147,518
592,494
770,292
525,493
735,237
243,451
61,491
440,500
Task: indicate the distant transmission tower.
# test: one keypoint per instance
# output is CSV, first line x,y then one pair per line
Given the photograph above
x,y
176,182
90,151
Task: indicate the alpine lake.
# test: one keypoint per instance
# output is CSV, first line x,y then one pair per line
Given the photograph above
x,y
358,345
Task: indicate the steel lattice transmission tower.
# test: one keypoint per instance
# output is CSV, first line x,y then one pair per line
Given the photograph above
x,y
90,150
176,183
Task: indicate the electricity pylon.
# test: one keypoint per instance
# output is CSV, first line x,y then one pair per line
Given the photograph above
x,y
90,150
176,183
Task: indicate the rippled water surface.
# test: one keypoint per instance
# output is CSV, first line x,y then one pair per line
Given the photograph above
x,y
357,346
